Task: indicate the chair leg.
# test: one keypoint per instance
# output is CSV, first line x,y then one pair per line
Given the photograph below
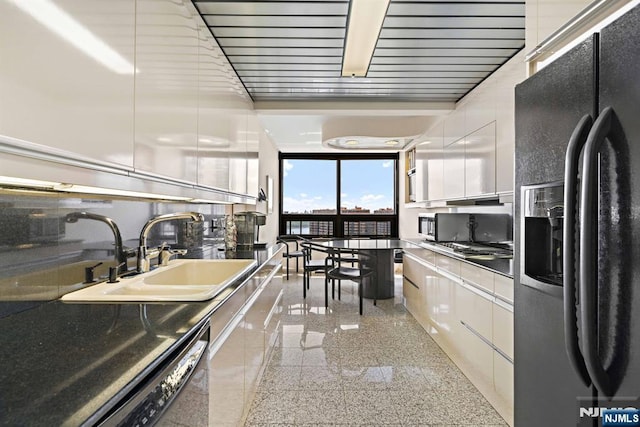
x,y
304,286
360,295
297,265
287,268
339,288
326,292
333,289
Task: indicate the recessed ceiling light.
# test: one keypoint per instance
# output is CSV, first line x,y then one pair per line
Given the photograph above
x,y
392,142
351,142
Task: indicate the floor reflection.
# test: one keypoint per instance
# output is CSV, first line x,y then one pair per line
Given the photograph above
x,y
333,366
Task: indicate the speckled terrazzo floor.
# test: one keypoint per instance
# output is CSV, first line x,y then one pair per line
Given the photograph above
x,y
382,368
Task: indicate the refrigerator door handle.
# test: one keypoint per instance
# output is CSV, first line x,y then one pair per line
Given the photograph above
x,y
588,252
576,143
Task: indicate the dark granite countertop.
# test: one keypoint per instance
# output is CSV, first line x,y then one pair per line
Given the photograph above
x,y
500,266
61,362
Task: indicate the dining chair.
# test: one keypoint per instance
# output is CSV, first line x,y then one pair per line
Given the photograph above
x,y
358,273
316,259
289,252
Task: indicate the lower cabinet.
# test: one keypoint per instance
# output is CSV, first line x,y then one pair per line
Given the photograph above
x,y
466,311
239,352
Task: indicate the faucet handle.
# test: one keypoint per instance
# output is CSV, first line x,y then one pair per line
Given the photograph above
x,y
88,273
166,253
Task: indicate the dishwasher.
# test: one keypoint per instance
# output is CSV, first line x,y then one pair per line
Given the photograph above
x,y
174,394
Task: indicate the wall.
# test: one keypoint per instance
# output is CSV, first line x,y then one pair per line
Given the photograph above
x,y
543,17
269,166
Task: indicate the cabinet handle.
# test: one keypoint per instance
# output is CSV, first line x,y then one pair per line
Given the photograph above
x,y
449,276
409,280
507,306
273,309
418,260
487,342
478,291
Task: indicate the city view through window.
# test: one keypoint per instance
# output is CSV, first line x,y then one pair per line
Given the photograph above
x,y
366,186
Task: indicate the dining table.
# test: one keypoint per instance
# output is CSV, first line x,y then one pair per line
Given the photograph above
x,y
380,256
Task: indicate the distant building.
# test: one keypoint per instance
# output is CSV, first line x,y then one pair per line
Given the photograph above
x,y
356,210
324,211
384,211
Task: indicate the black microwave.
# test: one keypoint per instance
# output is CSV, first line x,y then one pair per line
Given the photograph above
x,y
444,227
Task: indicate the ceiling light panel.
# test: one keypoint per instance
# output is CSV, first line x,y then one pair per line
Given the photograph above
x,y
426,51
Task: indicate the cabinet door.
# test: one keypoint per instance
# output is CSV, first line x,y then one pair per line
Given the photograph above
x,y
213,118
431,296
238,156
475,309
58,90
166,101
226,375
253,151
503,380
503,287
477,276
454,173
480,161
478,358
430,166
503,329
411,292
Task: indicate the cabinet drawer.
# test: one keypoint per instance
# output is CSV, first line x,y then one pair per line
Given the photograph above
x,y
475,309
503,287
503,330
503,378
477,276
448,264
411,292
223,315
413,270
478,357
425,254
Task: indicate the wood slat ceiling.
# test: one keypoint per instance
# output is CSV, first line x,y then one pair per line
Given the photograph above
x,y
427,50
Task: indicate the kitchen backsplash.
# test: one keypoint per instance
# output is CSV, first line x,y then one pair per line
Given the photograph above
x,y
44,251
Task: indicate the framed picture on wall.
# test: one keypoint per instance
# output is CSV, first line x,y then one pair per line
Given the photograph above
x,y
269,194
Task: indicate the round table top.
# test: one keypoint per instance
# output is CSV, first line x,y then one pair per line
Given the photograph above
x,y
367,244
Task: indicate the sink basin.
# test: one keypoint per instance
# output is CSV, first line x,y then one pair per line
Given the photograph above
x,y
181,280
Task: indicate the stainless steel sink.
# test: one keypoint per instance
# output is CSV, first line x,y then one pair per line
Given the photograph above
x,y
181,280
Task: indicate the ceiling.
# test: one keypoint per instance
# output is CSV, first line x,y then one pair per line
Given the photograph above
x,y
288,55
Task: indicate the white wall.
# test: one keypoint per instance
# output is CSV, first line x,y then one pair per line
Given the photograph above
x,y
269,166
543,17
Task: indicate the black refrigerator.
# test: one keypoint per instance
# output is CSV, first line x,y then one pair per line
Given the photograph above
x,y
577,233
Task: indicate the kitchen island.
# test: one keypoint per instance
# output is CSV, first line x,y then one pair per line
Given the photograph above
x,y
72,363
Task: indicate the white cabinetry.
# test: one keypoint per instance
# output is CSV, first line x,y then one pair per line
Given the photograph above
x,y
454,169
480,161
243,332
56,93
430,165
465,308
166,98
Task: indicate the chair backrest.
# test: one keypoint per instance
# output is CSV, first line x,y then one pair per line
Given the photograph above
x,y
289,238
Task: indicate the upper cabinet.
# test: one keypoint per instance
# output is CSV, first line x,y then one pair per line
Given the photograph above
x,y
430,165
470,154
67,76
454,169
480,161
166,90
253,151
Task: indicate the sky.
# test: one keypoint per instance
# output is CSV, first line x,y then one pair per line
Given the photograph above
x,y
311,184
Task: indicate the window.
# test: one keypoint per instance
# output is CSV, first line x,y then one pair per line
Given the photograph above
x,y
309,186
339,195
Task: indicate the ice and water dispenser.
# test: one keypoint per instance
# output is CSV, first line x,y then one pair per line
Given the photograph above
x,y
541,240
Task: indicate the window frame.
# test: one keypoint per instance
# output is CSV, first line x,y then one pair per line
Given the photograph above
x,y
339,219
